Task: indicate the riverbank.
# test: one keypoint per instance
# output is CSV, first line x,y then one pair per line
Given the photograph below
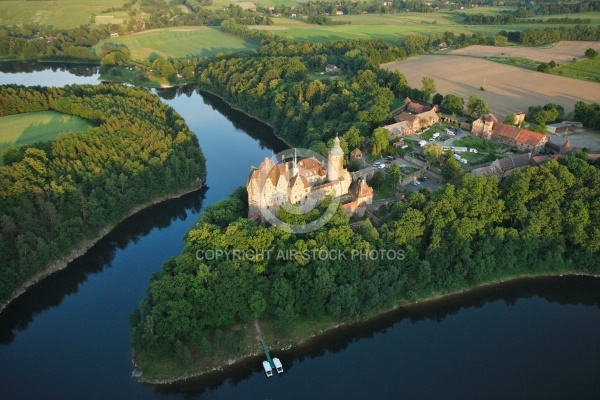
x,y
236,108
84,245
306,337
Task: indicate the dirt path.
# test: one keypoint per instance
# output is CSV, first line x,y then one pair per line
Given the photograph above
x,y
259,334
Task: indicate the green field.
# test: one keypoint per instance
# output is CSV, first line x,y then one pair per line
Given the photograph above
x,y
181,42
58,13
41,126
586,69
393,28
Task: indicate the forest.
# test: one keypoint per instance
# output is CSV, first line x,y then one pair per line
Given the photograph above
x,y
53,195
306,112
539,220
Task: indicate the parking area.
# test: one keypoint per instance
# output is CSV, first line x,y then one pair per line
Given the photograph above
x,y
426,184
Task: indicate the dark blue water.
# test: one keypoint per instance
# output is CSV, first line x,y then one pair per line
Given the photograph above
x,y
68,337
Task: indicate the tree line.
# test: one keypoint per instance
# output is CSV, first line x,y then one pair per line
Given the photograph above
x,y
538,220
55,194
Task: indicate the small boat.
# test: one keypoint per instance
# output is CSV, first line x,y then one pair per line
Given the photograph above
x,y
268,369
278,365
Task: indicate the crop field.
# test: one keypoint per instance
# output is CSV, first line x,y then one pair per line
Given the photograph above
x,y
508,89
41,126
561,52
181,42
58,13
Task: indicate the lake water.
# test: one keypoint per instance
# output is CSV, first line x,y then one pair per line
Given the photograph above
x,y
68,336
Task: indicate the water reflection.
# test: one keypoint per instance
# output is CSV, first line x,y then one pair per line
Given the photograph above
x,y
570,290
13,67
51,291
254,128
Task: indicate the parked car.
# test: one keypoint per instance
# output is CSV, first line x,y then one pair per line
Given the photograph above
x,y
389,158
432,140
423,178
451,133
416,183
458,129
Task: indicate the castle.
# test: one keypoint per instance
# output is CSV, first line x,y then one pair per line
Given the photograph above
x,y
301,182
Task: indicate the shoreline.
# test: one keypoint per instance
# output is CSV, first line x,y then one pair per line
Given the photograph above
x,y
424,302
85,244
234,107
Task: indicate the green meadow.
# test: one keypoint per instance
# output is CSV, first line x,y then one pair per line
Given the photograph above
x,y
587,69
179,42
58,13
41,126
393,28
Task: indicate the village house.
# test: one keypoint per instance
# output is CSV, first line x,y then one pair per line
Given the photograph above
x,y
419,121
563,127
332,69
418,108
505,166
402,128
558,145
356,154
514,137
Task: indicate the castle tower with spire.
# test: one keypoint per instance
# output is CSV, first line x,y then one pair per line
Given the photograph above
x,y
335,159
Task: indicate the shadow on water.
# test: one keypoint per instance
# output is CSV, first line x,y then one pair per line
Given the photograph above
x,y
51,291
13,67
570,290
251,126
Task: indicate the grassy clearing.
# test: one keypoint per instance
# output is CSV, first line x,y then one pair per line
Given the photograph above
x,y
516,62
42,126
481,145
587,69
58,13
181,42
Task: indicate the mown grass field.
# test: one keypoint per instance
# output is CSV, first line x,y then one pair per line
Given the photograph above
x,y
58,13
197,41
42,126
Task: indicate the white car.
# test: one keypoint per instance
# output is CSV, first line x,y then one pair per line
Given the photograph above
x,y
416,183
451,133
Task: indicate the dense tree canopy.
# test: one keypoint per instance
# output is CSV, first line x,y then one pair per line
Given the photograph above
x,y
52,195
540,219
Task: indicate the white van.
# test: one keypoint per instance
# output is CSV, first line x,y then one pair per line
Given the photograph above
x,y
436,135
457,157
422,143
463,160
473,151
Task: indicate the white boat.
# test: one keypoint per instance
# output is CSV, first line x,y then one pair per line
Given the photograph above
x,y
278,365
268,369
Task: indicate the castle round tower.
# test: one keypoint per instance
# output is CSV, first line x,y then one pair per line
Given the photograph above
x,y
335,165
